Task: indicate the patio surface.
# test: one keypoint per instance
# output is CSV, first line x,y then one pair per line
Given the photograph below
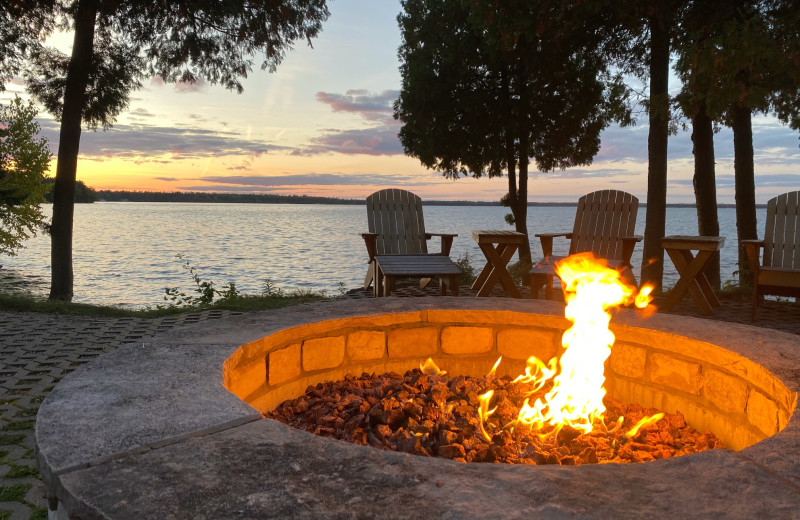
x,y
37,350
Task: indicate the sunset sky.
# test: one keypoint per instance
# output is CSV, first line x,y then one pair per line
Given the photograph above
x,y
322,125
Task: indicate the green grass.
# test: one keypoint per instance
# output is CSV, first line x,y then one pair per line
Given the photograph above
x,y
5,514
40,513
8,440
18,426
16,302
22,472
14,493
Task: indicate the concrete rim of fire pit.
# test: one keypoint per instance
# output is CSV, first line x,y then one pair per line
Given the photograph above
x,y
149,431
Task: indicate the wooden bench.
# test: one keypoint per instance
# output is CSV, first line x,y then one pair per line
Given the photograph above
x,y
389,268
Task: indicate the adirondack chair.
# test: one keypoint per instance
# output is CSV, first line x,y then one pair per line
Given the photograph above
x,y
397,227
604,224
778,272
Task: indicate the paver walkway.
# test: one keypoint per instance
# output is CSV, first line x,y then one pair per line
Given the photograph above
x,y
37,350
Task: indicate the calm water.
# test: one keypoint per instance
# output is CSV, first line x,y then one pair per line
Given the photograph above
x,y
124,253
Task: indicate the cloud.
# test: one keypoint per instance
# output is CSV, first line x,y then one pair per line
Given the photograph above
x,y
167,179
578,173
370,106
236,189
141,112
791,180
319,179
379,138
151,143
188,87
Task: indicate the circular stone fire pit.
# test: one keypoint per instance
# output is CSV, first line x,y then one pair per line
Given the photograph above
x,y
150,430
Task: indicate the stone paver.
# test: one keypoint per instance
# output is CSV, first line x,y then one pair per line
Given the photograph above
x,y
37,350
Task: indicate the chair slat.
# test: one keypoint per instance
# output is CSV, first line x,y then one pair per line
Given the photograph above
x,y
793,210
769,232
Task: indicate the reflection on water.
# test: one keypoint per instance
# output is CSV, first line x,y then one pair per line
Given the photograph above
x,y
124,253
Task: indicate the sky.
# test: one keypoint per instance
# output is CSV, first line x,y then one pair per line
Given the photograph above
x,y
322,125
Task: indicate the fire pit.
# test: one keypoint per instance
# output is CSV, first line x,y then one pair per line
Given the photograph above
x,y
149,431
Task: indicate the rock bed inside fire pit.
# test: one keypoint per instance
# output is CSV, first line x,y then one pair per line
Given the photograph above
x,y
437,415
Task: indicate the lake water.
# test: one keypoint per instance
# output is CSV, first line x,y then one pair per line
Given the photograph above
x,y
125,252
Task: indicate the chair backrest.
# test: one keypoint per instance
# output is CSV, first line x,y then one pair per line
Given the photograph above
x,y
396,216
782,233
601,219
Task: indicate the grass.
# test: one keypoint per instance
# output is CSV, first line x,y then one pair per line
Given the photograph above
x,y
244,303
14,493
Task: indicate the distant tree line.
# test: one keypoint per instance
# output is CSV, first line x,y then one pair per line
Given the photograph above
x,y
83,193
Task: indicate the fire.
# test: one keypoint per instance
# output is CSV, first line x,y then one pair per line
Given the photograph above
x,y
576,396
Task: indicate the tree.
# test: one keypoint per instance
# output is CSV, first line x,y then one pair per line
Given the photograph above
x,y
746,63
24,159
116,44
692,46
486,86
21,23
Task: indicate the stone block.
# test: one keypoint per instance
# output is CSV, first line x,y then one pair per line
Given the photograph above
x,y
467,340
366,344
727,392
628,360
519,343
322,353
416,342
245,378
283,364
676,373
762,412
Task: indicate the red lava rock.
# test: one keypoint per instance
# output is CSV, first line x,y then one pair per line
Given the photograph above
x,y
425,415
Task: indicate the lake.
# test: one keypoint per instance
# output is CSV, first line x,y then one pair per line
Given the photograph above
x,y
125,252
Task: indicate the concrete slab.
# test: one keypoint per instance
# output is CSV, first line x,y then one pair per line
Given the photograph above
x,y
268,470
148,431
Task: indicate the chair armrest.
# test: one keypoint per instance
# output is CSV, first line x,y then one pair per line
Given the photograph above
x,y
447,241
547,241
628,244
371,241
752,249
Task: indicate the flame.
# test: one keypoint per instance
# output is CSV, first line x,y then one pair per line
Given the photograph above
x,y
644,297
429,368
494,368
576,396
643,423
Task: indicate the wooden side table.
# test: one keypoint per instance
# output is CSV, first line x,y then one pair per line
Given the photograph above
x,y
498,247
390,267
690,268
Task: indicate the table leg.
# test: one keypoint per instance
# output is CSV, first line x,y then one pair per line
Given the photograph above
x,y
690,269
484,274
702,281
497,258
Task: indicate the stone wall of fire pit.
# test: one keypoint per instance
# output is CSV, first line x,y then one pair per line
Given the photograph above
x,y
149,430
714,388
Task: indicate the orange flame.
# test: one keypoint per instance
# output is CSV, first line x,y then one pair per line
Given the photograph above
x,y
429,368
576,396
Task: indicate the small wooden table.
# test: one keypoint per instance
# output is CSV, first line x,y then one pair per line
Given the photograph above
x,y
498,247
690,268
390,267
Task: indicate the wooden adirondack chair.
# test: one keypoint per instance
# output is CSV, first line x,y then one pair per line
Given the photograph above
x,y
604,224
778,272
397,227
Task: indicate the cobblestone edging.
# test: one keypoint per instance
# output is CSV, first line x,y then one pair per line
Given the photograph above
x,y
36,351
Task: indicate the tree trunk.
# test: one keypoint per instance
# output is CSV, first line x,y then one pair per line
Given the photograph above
x,y
68,146
655,221
705,188
521,214
744,173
